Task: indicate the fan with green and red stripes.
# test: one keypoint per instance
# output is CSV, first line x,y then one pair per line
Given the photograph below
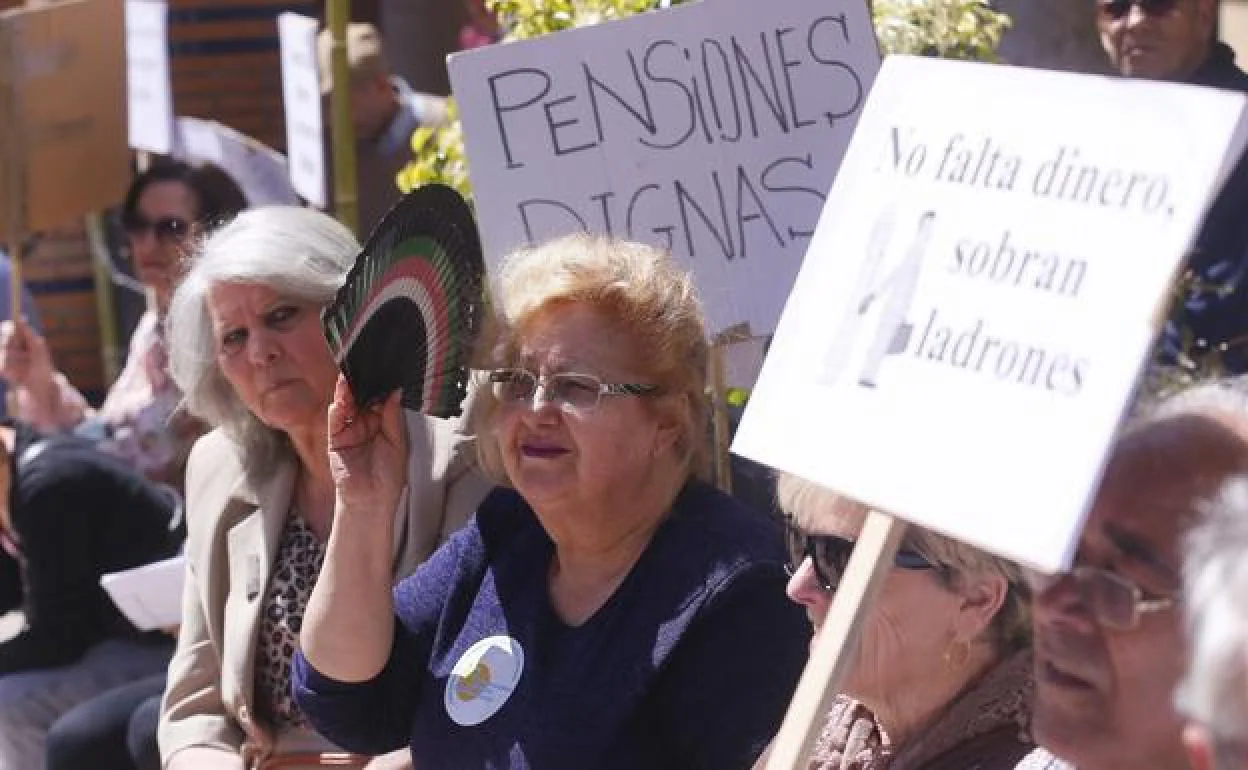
x,y
412,305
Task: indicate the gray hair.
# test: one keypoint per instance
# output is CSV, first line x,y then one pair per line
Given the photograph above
x,y
298,253
1210,396
1011,626
1215,594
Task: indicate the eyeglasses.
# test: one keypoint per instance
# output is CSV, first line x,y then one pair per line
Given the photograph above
x,y
829,555
1116,9
566,390
166,229
1115,601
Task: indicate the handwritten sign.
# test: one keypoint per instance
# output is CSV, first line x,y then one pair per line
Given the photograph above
x,y
148,90
983,286
301,96
710,129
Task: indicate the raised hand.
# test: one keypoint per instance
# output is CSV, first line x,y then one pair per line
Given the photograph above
x,y
367,454
24,357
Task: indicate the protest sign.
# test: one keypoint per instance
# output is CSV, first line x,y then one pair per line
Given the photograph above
x,y
708,128
985,282
148,88
62,113
301,98
260,171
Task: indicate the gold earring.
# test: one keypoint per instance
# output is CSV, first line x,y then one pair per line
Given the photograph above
x,y
958,654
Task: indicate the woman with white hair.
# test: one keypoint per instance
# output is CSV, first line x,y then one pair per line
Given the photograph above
x,y
249,353
942,677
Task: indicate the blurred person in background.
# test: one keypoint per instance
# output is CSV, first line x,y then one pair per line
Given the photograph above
x,y
68,515
384,113
29,313
1176,40
165,208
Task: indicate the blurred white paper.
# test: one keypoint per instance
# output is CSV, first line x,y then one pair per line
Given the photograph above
x,y
301,95
149,596
258,169
149,94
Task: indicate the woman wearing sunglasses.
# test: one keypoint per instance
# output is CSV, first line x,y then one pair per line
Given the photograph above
x,y
604,609
942,677
164,207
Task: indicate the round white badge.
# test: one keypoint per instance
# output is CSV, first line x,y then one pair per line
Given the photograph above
x,y
483,679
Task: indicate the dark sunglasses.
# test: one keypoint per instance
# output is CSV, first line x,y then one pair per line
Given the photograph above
x,y
829,554
166,229
1116,9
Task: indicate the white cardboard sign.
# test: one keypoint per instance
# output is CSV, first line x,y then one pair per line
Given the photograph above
x,y
981,292
148,90
301,98
261,172
711,129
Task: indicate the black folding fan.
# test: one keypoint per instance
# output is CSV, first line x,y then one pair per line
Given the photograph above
x,y
411,308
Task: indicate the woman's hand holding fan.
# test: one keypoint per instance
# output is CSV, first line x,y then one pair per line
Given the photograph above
x,y
367,454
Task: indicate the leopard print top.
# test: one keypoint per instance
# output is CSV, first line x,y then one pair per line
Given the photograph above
x,y
299,559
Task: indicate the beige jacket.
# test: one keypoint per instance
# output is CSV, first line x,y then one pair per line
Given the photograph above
x,y
232,540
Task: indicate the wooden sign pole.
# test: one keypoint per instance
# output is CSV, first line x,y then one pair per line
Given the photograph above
x,y
342,135
834,652
719,417
717,382
14,161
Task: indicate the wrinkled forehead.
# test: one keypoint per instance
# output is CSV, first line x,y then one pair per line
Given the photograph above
x,y
572,336
1156,478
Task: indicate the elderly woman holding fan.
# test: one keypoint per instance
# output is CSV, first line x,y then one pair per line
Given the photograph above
x,y
604,608
249,352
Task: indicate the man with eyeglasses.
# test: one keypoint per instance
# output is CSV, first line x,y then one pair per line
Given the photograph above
x,y
1175,40
1108,636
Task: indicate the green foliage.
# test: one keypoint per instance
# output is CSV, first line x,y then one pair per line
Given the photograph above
x,y
961,29
1197,360
523,19
951,29
438,156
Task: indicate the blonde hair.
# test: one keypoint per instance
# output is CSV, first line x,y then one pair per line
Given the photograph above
x,y
957,562
639,289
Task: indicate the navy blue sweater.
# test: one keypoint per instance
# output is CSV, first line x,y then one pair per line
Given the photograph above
x,y
689,664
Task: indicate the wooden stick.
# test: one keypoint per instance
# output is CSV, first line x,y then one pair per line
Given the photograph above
x,y
342,134
835,650
15,160
719,418
110,351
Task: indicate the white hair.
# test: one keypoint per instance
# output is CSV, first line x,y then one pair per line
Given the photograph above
x,y
1214,692
1227,396
299,253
